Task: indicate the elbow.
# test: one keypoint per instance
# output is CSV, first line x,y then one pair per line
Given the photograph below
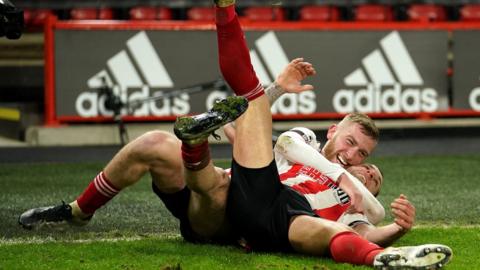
x,y
283,144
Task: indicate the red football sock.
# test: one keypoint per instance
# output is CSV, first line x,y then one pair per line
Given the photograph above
x,y
98,193
195,157
349,247
234,56
224,15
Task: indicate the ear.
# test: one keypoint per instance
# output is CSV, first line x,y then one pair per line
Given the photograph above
x,y
331,131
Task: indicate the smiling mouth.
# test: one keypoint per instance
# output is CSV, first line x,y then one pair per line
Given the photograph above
x,y
341,161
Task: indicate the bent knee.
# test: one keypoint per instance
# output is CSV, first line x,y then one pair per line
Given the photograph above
x,y
156,143
159,151
157,137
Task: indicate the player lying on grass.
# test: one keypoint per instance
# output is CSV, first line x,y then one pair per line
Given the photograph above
x,y
297,148
265,215
155,152
263,212
159,154
304,169
191,207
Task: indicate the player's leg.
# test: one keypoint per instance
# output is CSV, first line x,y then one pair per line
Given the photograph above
x,y
206,210
253,146
254,188
208,199
154,151
305,228
253,138
208,185
316,236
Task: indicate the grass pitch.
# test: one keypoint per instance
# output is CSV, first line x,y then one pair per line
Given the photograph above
x,y
135,231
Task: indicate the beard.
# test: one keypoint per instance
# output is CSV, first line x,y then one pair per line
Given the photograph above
x,y
328,151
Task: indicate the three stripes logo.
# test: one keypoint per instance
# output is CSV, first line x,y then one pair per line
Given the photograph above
x,y
137,68
271,52
387,81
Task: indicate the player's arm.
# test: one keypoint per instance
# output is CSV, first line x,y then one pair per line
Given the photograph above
x,y
294,148
404,219
288,81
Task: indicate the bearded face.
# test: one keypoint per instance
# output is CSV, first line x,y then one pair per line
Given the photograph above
x,y
347,145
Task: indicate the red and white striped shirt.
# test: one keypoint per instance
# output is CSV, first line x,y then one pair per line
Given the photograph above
x,y
321,191
325,197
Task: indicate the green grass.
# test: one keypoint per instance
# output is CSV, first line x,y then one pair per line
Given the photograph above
x,y
444,189
154,252
135,231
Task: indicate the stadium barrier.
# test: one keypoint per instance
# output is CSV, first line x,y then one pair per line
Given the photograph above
x,y
387,69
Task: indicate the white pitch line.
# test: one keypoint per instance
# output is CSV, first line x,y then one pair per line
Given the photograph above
x,y
38,240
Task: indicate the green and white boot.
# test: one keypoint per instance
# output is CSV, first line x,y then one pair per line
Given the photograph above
x,y
424,257
196,129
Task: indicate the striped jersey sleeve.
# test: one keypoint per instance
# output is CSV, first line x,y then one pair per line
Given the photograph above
x,y
322,193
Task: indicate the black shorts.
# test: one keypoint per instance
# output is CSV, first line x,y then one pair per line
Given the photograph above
x,y
177,204
260,207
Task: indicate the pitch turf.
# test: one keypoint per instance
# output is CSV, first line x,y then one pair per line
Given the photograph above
x,y
135,231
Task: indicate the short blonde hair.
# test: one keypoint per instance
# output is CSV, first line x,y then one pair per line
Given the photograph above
x,y
366,123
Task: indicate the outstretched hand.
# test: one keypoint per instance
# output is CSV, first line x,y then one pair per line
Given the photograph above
x,y
403,212
294,73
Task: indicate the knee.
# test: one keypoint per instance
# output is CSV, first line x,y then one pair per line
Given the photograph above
x,y
160,152
157,137
155,142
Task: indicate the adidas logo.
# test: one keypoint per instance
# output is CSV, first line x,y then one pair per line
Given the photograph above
x,y
271,52
137,68
388,81
138,73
